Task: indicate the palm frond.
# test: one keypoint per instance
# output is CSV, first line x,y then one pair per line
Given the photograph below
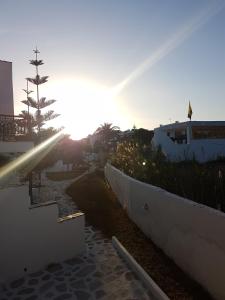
x,y
24,114
106,128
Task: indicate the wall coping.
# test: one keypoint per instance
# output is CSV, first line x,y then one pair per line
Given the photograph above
x,y
70,217
158,189
140,272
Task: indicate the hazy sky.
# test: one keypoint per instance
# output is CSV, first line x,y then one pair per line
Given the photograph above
x,y
121,61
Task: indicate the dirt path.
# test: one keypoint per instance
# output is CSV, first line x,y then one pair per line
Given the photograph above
x,y
93,196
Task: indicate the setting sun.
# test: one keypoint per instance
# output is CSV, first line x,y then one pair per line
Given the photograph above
x,y
82,105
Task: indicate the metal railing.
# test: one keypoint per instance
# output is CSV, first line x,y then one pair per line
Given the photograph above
x,y
12,127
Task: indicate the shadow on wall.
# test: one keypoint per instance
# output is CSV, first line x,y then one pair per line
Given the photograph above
x,y
35,233
178,226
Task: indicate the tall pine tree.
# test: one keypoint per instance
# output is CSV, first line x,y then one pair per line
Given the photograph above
x,y
38,119
27,116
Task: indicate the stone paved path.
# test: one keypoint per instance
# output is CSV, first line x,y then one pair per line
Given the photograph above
x,y
99,273
55,191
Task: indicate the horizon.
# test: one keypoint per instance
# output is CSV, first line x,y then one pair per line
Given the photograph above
x,y
112,62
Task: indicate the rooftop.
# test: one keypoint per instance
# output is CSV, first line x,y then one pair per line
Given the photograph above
x,y
191,123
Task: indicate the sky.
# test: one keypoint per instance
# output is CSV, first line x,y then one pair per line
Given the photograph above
x,y
124,62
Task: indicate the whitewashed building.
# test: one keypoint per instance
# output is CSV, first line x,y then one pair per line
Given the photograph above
x,y
6,88
202,140
13,129
32,235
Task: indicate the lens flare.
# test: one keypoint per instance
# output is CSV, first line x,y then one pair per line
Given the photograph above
x,y
33,156
173,42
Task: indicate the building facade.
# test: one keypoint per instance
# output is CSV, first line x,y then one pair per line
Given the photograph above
x,y
200,140
6,88
13,129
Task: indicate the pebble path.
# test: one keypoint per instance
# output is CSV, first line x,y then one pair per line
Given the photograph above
x,y
99,273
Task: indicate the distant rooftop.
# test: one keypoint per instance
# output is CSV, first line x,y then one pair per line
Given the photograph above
x,y
192,123
5,61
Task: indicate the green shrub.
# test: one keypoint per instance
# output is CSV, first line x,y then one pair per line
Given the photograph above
x,y
202,183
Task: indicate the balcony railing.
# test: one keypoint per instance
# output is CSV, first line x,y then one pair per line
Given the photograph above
x,y
12,127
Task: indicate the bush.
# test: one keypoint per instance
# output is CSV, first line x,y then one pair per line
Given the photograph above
x,y
202,183
130,159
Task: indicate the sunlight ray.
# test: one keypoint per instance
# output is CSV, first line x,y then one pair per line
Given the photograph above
x,y
35,154
172,43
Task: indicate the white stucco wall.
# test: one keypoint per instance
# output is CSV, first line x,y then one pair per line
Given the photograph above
x,y
191,234
59,166
15,147
6,89
33,238
203,150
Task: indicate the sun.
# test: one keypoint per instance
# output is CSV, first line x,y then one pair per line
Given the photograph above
x,y
83,105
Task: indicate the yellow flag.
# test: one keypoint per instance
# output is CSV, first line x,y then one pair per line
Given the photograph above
x,y
189,111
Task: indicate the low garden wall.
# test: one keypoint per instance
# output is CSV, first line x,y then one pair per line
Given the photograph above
x,y
33,237
15,147
190,233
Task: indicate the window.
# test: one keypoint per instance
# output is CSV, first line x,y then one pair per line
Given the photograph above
x,y
208,132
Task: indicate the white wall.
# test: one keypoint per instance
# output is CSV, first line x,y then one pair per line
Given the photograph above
x,y
14,147
191,234
204,150
33,238
59,166
6,89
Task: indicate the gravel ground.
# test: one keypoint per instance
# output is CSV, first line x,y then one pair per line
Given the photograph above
x,y
93,196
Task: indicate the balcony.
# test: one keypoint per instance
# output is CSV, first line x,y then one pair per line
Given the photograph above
x,y
13,128
14,135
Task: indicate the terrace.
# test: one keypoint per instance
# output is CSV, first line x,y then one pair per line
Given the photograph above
x,y
86,266
14,134
13,128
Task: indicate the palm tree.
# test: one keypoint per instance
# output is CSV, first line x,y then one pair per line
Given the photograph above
x,y
106,134
107,131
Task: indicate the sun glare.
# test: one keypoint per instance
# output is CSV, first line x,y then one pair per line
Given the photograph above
x,y
83,105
